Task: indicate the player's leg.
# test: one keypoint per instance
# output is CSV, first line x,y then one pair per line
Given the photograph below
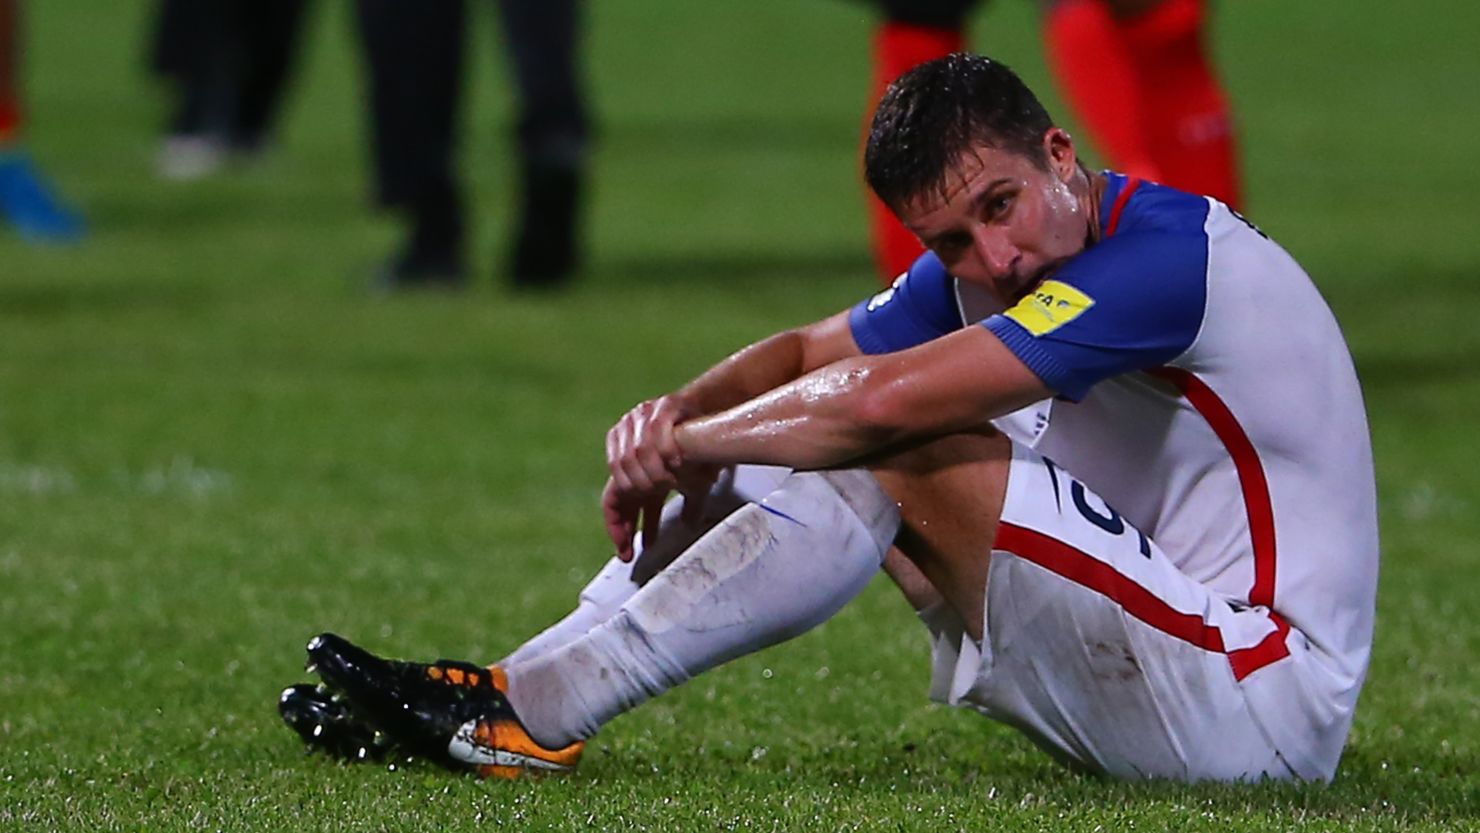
x,y
950,493
1092,65
10,97
768,572
328,724
414,67
773,570
1188,120
1107,655
27,201
1058,616
617,580
270,34
910,33
193,51
543,40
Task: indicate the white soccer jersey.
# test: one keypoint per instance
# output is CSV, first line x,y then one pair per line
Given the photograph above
x,y
1206,393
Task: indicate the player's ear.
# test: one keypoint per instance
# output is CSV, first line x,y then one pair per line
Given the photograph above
x,y
1058,150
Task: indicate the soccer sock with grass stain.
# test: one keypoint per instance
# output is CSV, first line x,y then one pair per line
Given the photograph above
x,y
616,582
767,573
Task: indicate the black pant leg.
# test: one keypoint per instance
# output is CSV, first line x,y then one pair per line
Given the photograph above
x,y
270,33
542,39
941,14
193,48
414,52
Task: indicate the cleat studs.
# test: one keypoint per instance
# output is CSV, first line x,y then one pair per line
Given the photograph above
x,y
311,667
314,644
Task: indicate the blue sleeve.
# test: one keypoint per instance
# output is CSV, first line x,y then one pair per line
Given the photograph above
x,y
1129,303
920,306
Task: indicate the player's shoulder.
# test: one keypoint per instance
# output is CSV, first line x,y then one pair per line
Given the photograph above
x,y
1151,236
1132,206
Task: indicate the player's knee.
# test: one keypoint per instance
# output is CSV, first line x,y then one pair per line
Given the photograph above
x,y
867,498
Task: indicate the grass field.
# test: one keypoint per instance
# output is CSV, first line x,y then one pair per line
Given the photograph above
x,y
213,445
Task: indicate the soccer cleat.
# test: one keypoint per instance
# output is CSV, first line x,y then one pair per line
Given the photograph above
x,y
325,723
452,712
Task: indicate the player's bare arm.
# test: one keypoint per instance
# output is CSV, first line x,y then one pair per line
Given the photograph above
x,y
860,405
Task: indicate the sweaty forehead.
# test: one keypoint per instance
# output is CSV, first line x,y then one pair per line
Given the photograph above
x,y
973,170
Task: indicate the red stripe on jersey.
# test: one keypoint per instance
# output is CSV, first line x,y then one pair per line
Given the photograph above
x,y
1084,569
1124,197
1250,471
1246,661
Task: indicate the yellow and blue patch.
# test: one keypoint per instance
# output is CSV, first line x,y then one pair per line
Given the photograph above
x,y
1052,305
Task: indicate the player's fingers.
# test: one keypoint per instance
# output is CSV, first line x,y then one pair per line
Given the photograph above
x,y
619,479
622,535
620,443
619,526
613,443
656,468
636,476
638,420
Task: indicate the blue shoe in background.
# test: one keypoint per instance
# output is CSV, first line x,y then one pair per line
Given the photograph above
x,y
30,204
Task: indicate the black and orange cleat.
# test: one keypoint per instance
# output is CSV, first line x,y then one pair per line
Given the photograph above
x,y
326,724
451,712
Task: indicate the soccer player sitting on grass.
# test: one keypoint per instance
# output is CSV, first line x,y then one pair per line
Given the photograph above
x,y
1105,436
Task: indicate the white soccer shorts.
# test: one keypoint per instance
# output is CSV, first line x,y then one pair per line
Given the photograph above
x,y
1111,658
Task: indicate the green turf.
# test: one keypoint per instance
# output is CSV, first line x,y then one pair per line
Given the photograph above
x,y
212,445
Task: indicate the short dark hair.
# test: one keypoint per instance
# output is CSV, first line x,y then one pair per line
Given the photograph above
x,y
940,109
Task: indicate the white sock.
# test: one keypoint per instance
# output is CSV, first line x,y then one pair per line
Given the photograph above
x,y
616,582
947,631
599,599
767,573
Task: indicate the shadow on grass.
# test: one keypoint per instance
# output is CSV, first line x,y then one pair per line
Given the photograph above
x,y
64,297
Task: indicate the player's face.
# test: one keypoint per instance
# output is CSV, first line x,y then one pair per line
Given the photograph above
x,y
1004,222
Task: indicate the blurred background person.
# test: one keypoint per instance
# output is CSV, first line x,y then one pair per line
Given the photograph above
x,y
415,56
27,201
228,62
1136,73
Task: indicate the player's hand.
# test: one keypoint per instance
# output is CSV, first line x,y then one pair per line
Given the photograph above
x,y
641,452
623,511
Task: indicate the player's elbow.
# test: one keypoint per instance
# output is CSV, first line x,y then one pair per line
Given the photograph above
x,y
884,408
